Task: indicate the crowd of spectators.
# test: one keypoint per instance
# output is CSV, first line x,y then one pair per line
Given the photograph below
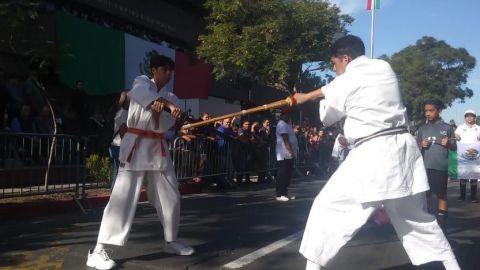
x,y
252,149
25,109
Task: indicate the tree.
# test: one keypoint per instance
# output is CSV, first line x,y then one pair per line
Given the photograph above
x,y
267,41
23,32
24,25
25,36
307,81
432,69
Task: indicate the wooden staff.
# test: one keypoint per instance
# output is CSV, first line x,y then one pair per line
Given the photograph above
x,y
289,101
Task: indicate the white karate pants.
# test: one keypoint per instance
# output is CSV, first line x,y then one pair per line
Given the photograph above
x,y
335,217
163,194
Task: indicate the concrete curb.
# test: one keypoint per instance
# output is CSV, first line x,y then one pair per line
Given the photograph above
x,y
46,207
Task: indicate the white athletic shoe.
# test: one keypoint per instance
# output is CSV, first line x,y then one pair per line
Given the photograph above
x,y
283,199
179,248
100,260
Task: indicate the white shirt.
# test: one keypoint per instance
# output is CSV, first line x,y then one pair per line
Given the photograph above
x,y
280,149
367,94
120,119
147,152
468,134
338,150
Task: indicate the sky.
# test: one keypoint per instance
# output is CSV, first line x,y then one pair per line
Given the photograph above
x,y
400,23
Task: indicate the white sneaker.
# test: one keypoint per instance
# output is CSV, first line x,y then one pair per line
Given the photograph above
x,y
100,260
283,199
179,248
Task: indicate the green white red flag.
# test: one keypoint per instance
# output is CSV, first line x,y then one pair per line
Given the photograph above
x,y
373,4
465,162
109,60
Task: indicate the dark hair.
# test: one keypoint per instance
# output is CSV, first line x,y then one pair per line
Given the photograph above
x,y
438,104
286,115
161,61
350,45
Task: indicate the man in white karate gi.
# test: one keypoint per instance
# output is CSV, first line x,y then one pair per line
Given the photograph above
x,y
144,157
384,168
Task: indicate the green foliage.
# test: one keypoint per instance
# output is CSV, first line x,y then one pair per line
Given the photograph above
x,y
268,40
18,15
99,168
24,23
20,11
309,81
432,69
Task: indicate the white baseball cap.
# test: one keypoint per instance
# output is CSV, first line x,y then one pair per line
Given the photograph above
x,y
470,112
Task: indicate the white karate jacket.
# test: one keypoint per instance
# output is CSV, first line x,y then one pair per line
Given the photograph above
x,y
386,167
147,152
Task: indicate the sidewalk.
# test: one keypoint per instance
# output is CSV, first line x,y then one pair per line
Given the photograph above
x,y
18,208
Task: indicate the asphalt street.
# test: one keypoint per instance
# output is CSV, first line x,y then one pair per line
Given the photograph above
x,y
243,229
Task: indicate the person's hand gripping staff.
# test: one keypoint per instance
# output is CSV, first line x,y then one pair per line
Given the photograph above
x,y
161,104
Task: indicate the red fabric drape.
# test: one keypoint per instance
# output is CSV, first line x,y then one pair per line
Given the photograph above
x,y
192,80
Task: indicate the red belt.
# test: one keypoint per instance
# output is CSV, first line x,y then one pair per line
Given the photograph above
x,y
146,134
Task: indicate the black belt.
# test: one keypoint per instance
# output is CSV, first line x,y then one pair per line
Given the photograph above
x,y
388,131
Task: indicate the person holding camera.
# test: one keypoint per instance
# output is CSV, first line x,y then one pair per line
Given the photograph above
x,y
468,133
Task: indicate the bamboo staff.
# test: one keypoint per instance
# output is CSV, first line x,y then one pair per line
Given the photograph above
x,y
289,101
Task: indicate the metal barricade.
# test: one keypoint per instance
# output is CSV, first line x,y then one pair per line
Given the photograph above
x,y
24,160
203,157
200,157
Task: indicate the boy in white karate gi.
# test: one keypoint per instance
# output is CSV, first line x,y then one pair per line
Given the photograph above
x,y
144,156
384,168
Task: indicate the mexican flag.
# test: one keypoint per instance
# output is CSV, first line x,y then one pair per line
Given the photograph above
x,y
108,60
465,162
373,4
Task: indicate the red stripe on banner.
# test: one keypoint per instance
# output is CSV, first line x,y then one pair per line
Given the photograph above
x,y
369,4
192,80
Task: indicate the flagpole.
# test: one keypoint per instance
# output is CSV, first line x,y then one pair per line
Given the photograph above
x,y
372,29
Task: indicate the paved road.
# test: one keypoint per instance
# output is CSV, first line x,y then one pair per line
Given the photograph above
x,y
245,227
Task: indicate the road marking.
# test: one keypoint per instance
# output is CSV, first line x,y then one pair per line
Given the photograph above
x,y
249,258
